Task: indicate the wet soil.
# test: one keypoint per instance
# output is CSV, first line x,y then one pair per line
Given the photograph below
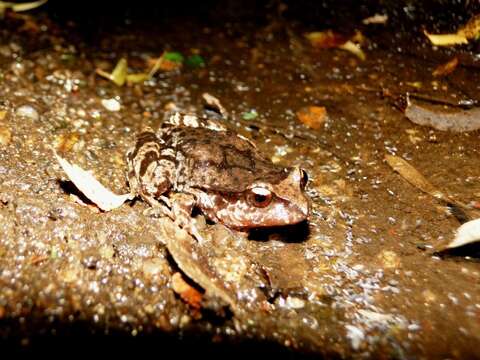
x,y
361,279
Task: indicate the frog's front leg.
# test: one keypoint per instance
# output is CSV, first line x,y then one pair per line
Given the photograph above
x,y
150,169
182,207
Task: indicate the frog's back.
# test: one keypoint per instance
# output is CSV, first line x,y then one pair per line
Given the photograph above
x,y
219,160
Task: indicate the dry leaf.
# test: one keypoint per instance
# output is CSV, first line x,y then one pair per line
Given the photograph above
x,y
325,39
328,39
215,103
409,173
17,7
312,116
354,49
376,19
187,292
471,29
91,187
446,39
466,234
437,117
447,68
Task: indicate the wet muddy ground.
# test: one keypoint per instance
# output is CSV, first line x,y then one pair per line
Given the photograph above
x,y
361,279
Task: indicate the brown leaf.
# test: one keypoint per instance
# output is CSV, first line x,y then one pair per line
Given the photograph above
x,y
446,68
187,292
409,173
312,116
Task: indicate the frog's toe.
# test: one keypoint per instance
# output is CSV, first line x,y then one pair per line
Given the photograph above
x,y
158,212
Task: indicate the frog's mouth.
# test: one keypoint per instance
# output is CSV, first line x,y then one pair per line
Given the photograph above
x,y
237,211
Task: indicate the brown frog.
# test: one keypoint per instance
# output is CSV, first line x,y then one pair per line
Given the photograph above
x,y
192,162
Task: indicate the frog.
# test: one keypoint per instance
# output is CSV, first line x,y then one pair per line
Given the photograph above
x,y
194,162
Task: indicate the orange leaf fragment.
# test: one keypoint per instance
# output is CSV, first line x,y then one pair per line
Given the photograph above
x,y
446,68
325,39
187,292
312,116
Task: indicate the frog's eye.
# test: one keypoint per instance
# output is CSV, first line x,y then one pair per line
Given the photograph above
x,y
259,197
304,179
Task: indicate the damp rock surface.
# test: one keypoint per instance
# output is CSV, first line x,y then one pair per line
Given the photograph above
x,y
360,279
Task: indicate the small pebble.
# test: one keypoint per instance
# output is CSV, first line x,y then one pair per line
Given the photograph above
x,y
28,111
294,302
111,104
152,267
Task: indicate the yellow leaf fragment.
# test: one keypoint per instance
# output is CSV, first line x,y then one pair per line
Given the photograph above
x,y
447,39
91,187
354,49
119,74
18,7
137,78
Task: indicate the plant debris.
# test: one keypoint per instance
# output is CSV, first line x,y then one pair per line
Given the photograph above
x,y
119,76
250,115
19,7
446,68
470,31
313,116
467,233
442,118
376,19
414,177
195,61
329,39
187,292
91,187
213,102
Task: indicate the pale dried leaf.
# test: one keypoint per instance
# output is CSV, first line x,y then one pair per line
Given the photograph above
x,y
18,7
376,19
91,187
214,102
409,173
447,39
354,49
466,234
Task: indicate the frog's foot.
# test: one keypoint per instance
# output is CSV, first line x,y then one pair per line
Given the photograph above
x,y
182,207
158,212
158,208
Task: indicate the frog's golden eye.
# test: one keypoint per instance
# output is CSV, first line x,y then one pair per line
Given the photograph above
x,y
304,179
259,197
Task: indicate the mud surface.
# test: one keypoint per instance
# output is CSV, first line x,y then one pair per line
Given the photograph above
x,y
360,280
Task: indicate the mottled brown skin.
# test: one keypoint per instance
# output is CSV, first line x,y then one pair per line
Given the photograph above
x,y
194,162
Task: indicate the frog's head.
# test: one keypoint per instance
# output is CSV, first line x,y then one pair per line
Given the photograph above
x,y
262,204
